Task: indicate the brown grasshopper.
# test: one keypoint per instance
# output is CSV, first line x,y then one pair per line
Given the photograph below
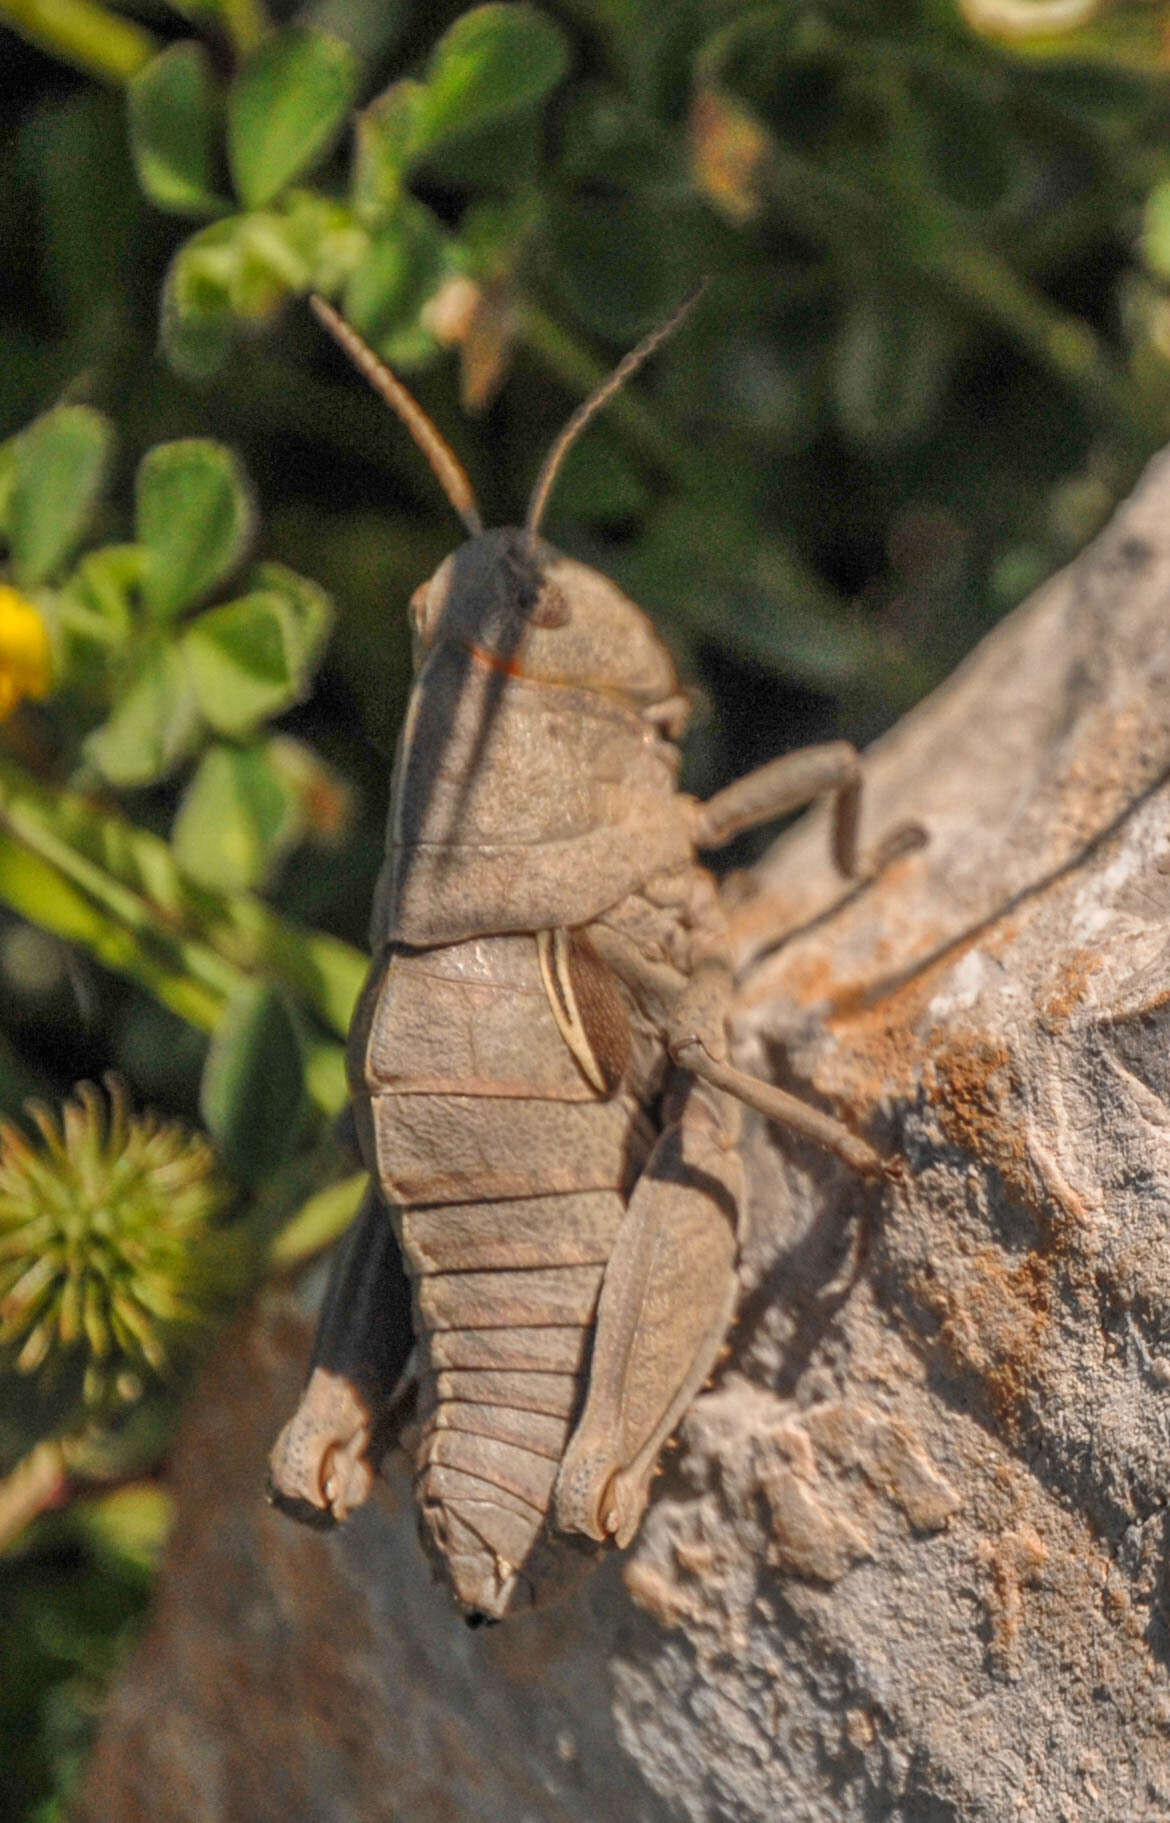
x,y
539,1060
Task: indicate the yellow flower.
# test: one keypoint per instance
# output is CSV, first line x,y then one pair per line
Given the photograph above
x,y
26,661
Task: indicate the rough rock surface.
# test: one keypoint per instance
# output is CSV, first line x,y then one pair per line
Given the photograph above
x,y
908,1558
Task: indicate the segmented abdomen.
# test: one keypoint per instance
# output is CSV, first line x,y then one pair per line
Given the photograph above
x,y
508,1175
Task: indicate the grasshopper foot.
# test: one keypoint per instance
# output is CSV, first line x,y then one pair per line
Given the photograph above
x,y
320,1467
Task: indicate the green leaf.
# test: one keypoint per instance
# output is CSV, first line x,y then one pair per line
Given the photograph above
x,y
194,516
308,614
503,156
238,815
38,891
246,268
59,464
95,616
269,265
404,267
198,322
252,1096
129,1524
172,106
100,592
154,721
318,1222
494,61
239,667
7,482
285,108
1156,231
386,137
323,236
251,658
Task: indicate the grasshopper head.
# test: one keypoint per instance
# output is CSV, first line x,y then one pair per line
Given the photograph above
x,y
520,606
513,601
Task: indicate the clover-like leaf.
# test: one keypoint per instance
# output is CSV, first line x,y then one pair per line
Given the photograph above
x,y
238,816
239,666
252,1096
493,61
101,590
95,612
198,320
173,129
285,108
154,722
194,516
322,235
243,269
251,658
404,267
308,614
387,135
57,469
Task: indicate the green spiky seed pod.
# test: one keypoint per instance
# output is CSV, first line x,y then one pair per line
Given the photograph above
x,y
112,1259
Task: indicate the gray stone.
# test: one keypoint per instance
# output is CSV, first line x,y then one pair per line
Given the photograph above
x,y
908,1557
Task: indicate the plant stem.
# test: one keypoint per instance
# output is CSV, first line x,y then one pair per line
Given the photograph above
x,y
46,877
133,874
130,909
36,891
82,33
35,1483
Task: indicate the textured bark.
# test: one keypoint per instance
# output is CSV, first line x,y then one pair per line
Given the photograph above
x,y
908,1559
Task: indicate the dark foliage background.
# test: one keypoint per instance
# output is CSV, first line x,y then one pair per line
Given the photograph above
x,y
935,350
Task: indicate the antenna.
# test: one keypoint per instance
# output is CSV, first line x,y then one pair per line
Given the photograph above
x,y
628,365
451,474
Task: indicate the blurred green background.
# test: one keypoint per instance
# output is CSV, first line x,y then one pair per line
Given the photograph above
x,y
934,352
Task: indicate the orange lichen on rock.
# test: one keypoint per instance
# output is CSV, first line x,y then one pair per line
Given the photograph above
x,y
879,1048
1015,1562
971,1083
975,1092
1069,988
993,1324
1115,759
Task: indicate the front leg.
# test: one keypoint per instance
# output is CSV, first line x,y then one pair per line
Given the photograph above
x,y
789,783
666,1301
